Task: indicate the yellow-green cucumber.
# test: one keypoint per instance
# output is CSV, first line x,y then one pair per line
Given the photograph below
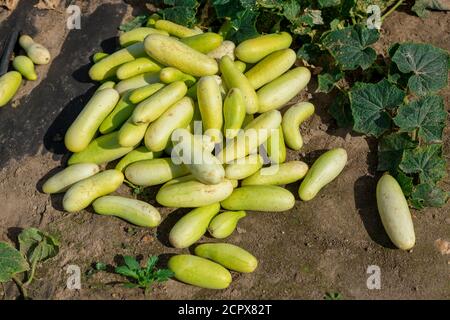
x,y
101,150
210,105
170,74
179,115
121,112
83,193
280,91
174,29
233,112
228,255
241,66
106,85
99,56
292,119
139,81
278,174
271,67
152,20
64,179
253,50
35,51
192,226
204,42
138,35
9,84
199,272
136,67
173,53
255,133
138,154
108,65
83,129
153,107
244,167
275,147
260,198
192,91
135,211
25,66
140,94
324,170
394,212
223,224
153,172
193,194
131,134
236,79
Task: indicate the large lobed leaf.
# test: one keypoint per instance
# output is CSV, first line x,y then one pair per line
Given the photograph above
x,y
11,262
390,150
37,245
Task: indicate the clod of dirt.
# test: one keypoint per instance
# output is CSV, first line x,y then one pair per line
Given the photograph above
x,y
48,4
9,4
443,246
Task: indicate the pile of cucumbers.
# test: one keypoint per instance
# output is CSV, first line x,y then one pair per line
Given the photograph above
x,y
24,67
189,112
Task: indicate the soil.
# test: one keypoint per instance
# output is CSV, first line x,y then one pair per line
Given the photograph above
x,y
324,245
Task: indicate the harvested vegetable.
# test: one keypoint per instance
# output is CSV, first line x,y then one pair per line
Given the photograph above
x,y
223,224
9,84
64,179
25,66
35,51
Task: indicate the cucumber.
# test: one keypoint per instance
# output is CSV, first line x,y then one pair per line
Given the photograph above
x,y
153,172
84,192
138,35
394,213
259,198
271,67
83,129
64,179
140,94
137,212
223,225
292,119
169,75
99,56
244,167
280,91
228,255
131,134
101,150
174,29
233,113
9,84
25,66
173,53
324,170
193,194
103,69
235,79
279,174
275,147
106,85
137,67
192,226
35,51
204,42
153,107
121,112
199,272
241,66
179,115
253,50
210,105
138,154
139,81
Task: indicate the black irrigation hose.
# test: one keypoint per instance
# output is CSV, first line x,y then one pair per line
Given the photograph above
x,y
8,50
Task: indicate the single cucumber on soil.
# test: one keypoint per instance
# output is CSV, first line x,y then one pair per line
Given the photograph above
x,y
292,119
9,84
25,66
64,179
223,224
35,51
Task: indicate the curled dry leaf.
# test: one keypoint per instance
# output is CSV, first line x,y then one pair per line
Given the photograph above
x,y
443,246
48,4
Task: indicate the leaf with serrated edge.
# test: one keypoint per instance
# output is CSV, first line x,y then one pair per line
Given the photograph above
x,y
390,150
37,245
427,195
11,262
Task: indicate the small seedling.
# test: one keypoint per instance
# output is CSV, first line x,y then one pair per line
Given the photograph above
x,y
333,296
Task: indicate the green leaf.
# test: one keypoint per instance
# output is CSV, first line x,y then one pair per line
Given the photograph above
x,y
427,195
350,46
162,275
100,266
131,263
340,110
137,22
181,11
426,161
390,150
369,102
329,3
327,80
11,262
125,271
420,6
405,182
309,52
151,263
427,115
37,245
427,65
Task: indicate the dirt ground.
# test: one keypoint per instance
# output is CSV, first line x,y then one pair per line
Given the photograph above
x,y
324,245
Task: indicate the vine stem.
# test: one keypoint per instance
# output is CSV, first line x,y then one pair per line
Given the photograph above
x,y
33,270
21,287
391,9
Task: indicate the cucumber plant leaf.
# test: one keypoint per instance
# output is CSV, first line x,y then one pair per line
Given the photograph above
x,y
420,6
427,195
406,183
137,22
328,3
426,64
427,115
369,103
390,150
425,161
37,245
181,11
11,262
340,110
327,80
350,46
